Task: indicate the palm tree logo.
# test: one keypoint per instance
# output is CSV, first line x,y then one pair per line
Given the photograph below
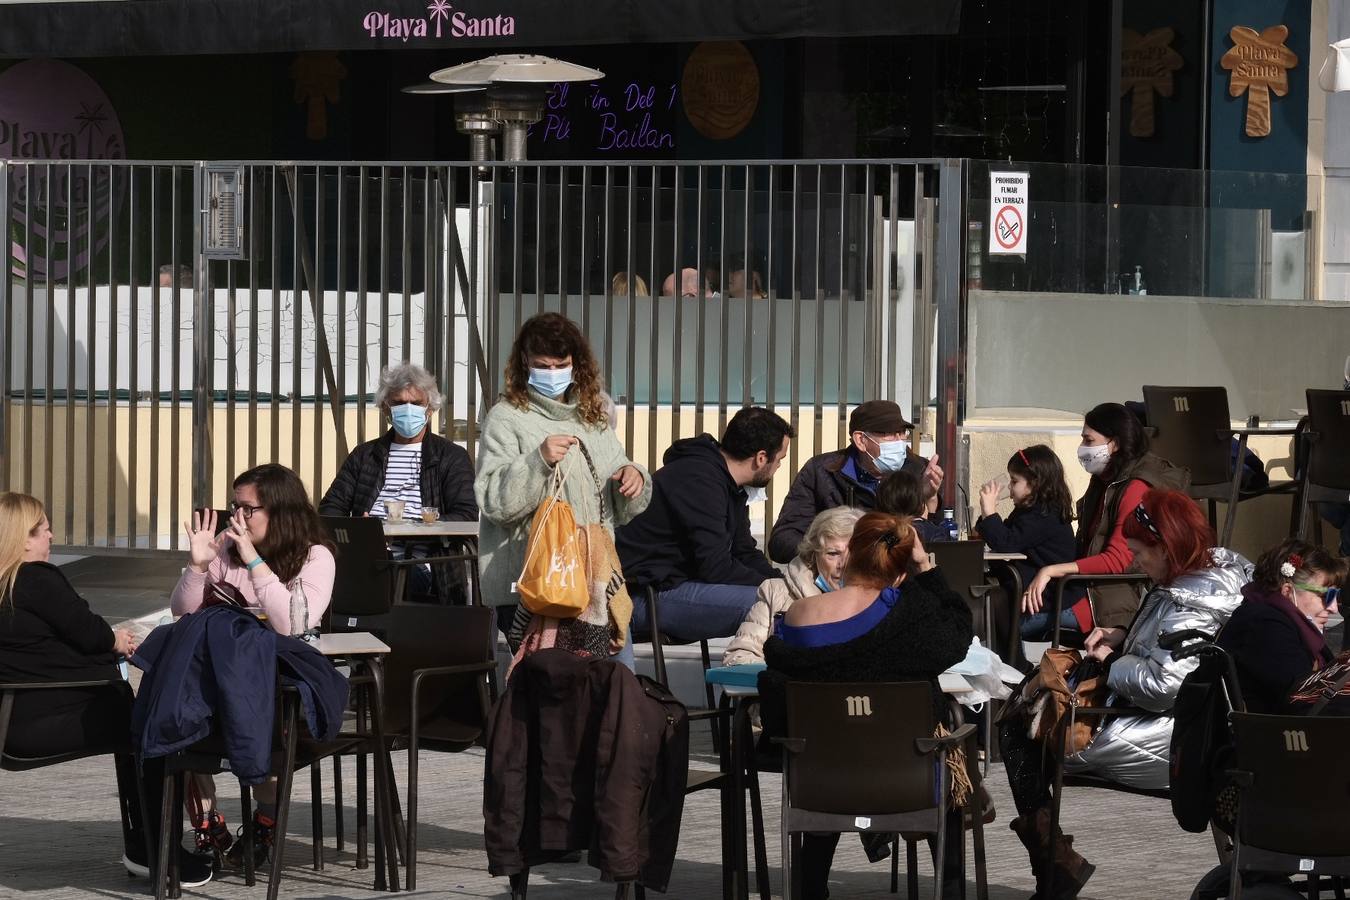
x,y
438,11
1259,65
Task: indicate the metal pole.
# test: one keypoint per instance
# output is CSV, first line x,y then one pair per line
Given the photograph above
x,y
203,330
950,294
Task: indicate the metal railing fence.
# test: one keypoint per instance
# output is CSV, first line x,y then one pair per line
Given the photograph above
x,y
141,375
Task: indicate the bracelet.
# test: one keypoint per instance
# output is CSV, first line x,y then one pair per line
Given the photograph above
x,y
257,561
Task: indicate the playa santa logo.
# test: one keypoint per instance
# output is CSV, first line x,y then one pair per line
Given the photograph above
x,y
441,20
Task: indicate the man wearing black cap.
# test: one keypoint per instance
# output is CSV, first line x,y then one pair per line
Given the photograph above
x,y
878,445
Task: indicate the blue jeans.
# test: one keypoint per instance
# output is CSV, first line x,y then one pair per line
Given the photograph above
x,y
694,610
1038,627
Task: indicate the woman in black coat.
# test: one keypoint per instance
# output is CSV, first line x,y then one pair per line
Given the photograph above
x,y
1275,636
49,633
894,620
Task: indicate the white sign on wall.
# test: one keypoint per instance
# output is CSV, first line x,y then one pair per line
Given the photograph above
x,y
1008,194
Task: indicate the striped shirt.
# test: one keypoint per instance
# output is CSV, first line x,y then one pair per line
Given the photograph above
x,y
402,481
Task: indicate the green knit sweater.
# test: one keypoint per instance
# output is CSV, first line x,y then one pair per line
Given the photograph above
x,y
512,477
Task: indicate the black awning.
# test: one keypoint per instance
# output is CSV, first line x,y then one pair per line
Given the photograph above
x,y
173,27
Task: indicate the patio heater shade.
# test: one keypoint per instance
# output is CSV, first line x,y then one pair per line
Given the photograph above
x,y
182,27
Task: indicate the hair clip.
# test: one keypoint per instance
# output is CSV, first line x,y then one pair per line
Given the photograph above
x,y
889,539
1287,569
1141,515
1026,462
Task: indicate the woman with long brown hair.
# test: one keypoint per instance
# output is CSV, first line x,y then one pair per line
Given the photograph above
x,y
273,553
552,414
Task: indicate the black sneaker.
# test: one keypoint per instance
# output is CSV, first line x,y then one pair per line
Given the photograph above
x,y
262,844
213,838
193,870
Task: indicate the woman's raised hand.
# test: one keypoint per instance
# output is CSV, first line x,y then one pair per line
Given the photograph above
x,y
919,555
203,545
630,481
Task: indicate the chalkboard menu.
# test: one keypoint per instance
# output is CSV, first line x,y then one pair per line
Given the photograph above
x,y
623,118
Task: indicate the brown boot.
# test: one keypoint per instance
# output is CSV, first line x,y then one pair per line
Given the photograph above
x,y
1025,829
1070,870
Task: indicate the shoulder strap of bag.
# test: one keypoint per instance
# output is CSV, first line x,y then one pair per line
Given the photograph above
x,y
599,485
1330,692
553,491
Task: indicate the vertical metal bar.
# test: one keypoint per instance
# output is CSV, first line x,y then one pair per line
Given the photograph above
x,y
91,351
585,253
517,236
442,235
891,376
203,342
725,363
870,296
406,267
110,469
951,303
30,329
231,369
795,291
49,386
274,392
700,326
471,306
653,308
540,182
608,286
362,200
133,364
384,267
630,247
495,309
676,351
747,292
155,345
320,333
341,324
564,182
175,362
771,353
844,301
255,200
297,207
816,266
68,472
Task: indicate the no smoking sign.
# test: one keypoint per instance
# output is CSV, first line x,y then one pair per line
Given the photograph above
x,y
1008,196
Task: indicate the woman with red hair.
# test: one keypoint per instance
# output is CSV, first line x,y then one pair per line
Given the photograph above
x,y
1196,586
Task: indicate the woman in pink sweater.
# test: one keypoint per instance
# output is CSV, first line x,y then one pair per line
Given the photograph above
x,y
273,551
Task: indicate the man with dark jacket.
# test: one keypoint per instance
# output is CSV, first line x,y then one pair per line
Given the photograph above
x,y
693,543
878,444
408,463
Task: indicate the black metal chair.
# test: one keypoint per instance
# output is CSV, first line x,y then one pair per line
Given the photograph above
x,y
11,762
962,564
860,757
1292,782
659,642
1326,473
1192,429
1089,581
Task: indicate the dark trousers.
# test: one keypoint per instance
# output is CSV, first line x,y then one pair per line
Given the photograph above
x,y
98,720
818,855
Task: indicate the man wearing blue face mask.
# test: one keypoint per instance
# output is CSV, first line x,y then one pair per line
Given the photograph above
x,y
879,439
408,463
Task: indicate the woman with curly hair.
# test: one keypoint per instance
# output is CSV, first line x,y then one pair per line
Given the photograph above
x,y
552,414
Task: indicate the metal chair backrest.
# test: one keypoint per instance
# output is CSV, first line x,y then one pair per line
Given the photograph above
x,y
1191,429
858,753
1329,440
962,563
428,636
363,583
1300,779
11,762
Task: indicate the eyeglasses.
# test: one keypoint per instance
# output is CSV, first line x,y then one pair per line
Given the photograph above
x,y
247,510
1329,595
1141,516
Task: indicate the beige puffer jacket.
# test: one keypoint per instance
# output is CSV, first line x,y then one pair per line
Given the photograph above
x,y
774,597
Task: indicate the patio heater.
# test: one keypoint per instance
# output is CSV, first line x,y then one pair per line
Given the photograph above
x,y
471,116
517,85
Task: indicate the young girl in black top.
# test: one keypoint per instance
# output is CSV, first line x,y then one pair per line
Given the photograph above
x,y
1038,525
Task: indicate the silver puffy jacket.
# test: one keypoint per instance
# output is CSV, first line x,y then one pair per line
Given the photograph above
x,y
1134,750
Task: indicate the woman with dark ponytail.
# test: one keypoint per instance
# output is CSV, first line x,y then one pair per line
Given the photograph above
x,y
895,619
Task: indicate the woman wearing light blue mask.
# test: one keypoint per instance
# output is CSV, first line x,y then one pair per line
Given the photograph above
x,y
818,568
553,402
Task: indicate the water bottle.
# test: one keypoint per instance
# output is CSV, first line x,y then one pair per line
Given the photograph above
x,y
949,524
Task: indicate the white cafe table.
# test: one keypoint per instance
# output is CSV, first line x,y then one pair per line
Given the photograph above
x,y
416,528
410,529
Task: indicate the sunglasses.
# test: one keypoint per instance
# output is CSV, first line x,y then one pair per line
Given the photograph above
x,y
1141,516
1329,595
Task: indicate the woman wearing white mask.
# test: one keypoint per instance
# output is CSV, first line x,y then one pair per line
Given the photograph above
x,y
552,403
1115,452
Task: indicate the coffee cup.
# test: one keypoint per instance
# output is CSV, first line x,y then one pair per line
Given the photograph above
x,y
394,510
430,514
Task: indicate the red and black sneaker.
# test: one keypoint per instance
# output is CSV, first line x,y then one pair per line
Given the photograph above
x,y
262,843
213,837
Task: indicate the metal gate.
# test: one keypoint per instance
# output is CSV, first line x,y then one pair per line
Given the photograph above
x,y
143,371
